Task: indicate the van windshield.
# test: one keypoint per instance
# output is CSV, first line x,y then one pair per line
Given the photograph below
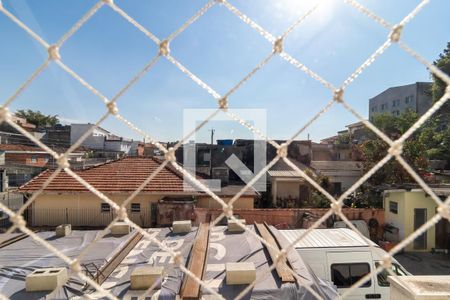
x,y
383,275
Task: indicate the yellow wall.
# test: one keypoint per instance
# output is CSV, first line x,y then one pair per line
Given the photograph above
x,y
418,200
244,202
287,189
84,209
397,220
408,201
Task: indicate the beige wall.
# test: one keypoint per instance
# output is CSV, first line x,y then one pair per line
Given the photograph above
x,y
397,220
84,209
419,200
244,202
285,188
408,201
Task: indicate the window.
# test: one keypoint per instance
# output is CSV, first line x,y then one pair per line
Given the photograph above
x,y
393,207
382,276
395,102
345,275
396,112
409,99
34,159
135,207
105,207
383,106
374,108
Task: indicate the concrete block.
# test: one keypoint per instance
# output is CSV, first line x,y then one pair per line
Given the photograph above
x,y
120,228
63,230
46,279
182,226
233,226
144,277
240,273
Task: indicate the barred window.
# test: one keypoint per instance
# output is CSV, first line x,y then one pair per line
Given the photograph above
x,y
135,207
105,207
393,207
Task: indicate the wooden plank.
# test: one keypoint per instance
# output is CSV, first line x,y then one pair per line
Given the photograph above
x,y
282,267
114,262
12,240
280,245
197,263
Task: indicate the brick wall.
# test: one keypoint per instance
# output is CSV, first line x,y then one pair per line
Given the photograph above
x,y
37,160
295,217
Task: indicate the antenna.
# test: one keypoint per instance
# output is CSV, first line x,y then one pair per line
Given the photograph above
x,y
210,151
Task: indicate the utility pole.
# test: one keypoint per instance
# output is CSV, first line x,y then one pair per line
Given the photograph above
x,y
210,152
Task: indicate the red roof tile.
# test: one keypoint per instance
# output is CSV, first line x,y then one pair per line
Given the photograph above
x,y
13,147
124,175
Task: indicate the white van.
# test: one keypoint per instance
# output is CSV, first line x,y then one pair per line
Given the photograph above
x,y
343,257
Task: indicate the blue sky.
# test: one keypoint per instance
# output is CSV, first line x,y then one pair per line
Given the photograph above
x,y
220,49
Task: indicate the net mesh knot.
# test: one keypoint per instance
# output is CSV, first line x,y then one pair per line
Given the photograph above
x,y
278,46
386,261
338,95
18,220
447,90
281,256
53,52
4,114
223,103
75,266
170,155
396,149
178,259
228,211
112,108
164,49
444,211
396,33
63,162
282,151
122,213
336,207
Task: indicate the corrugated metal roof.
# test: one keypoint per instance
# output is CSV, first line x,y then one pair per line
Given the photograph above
x,y
284,173
325,238
340,165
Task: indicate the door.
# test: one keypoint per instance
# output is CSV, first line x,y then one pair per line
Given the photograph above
x,y
346,268
153,214
443,234
420,217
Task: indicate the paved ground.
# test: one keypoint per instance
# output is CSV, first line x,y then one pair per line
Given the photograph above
x,y
419,263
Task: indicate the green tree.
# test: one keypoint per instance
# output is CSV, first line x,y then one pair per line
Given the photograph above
x,y
443,63
376,149
343,139
435,133
37,118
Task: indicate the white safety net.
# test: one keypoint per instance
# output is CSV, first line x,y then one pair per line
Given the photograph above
x,y
274,48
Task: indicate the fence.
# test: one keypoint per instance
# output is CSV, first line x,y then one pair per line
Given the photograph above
x,y
80,217
12,200
294,217
274,48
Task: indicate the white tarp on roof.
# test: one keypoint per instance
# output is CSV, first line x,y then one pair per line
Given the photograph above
x,y
23,257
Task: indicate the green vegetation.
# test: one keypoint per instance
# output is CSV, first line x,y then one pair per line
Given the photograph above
x,y
37,118
436,133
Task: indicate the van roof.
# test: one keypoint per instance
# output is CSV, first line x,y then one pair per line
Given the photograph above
x,y
326,238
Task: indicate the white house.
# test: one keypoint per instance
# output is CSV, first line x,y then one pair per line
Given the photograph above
x,y
99,138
